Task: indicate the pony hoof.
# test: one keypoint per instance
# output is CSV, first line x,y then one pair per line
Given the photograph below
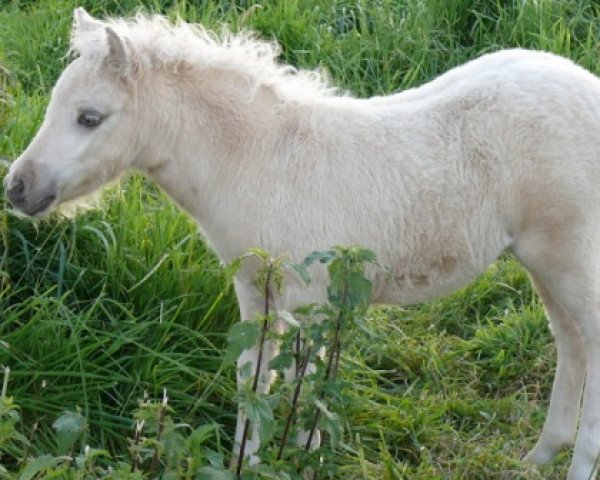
x,y
539,455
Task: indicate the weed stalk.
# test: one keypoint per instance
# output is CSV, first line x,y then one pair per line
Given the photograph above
x,y
5,381
135,452
159,432
329,371
31,439
261,345
300,377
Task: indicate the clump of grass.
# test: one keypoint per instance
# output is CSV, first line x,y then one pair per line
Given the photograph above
x,y
126,298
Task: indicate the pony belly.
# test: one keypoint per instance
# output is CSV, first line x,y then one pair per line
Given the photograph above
x,y
408,285
419,288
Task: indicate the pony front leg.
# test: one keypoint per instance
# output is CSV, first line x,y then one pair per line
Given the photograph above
x,y
252,305
266,378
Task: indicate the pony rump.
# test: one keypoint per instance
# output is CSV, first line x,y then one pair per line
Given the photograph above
x,y
157,43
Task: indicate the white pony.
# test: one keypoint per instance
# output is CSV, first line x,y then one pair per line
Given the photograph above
x,y
503,152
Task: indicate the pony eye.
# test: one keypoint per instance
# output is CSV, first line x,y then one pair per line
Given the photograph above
x,y
89,118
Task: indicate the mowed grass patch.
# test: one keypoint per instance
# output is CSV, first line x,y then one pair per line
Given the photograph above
x,y
127,298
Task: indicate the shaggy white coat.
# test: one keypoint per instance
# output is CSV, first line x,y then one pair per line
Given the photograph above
x,y
499,153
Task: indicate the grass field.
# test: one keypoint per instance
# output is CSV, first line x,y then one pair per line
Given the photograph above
x,y
127,298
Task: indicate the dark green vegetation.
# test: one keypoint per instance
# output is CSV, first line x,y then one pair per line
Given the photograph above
x,y
127,298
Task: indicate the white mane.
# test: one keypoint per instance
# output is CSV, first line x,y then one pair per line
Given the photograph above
x,y
158,43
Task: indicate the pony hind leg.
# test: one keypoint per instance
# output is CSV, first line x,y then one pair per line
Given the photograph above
x,y
567,265
561,421
586,454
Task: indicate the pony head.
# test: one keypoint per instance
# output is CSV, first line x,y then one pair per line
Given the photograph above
x,y
88,136
139,89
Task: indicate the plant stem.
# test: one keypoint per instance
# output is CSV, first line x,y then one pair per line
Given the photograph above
x,y
28,447
5,381
290,417
336,364
336,346
135,455
263,335
297,354
159,433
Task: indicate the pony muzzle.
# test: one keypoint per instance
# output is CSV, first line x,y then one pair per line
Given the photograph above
x,y
26,198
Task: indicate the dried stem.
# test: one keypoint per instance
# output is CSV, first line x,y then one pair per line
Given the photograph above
x,y
263,335
135,456
159,432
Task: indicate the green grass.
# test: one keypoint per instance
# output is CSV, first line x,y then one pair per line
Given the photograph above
x,y
127,298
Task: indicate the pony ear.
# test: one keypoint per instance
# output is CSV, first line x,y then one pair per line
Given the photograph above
x,y
83,21
120,57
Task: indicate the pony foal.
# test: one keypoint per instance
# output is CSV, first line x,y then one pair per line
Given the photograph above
x,y
499,153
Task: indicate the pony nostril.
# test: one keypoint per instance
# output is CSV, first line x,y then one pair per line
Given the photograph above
x,y
16,193
18,187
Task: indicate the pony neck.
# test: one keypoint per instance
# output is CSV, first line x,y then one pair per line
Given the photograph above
x,y
204,139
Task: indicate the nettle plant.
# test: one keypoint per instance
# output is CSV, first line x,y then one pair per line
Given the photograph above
x,y
161,448
317,398
158,447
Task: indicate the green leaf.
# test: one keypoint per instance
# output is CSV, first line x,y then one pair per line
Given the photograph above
x,y
232,267
364,255
173,443
283,361
259,412
258,409
38,465
258,252
331,423
212,473
70,422
241,336
249,474
310,309
8,410
321,257
196,439
359,290
288,318
301,270
69,427
246,371
215,459
268,472
89,457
